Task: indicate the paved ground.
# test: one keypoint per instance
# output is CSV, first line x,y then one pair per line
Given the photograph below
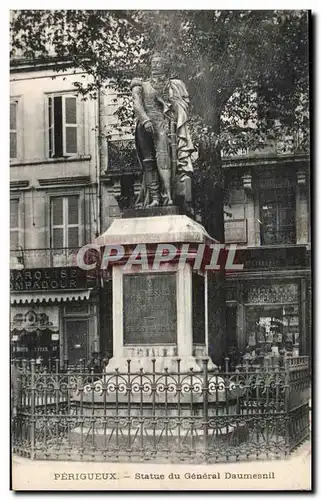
x,y
292,473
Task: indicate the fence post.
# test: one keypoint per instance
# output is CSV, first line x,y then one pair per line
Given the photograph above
x,y
205,407
287,405
32,410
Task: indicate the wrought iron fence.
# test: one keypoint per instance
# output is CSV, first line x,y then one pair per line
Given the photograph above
x,y
196,417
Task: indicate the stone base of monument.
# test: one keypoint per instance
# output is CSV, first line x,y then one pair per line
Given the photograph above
x,y
232,436
160,303
160,324
155,388
122,408
156,425
148,364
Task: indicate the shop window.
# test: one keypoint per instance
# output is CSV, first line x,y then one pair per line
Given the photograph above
x,y
34,336
14,224
277,216
63,124
273,327
13,130
65,222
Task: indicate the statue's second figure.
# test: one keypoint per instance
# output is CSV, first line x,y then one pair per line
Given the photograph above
x,y
162,138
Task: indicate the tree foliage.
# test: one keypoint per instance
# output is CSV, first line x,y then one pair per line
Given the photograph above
x,y
246,72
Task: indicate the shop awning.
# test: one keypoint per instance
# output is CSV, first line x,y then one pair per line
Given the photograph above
x,y
49,296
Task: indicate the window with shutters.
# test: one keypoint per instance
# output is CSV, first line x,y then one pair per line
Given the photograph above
x,y
13,130
63,125
14,224
64,221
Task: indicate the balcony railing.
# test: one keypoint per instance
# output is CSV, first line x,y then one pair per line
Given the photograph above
x,y
272,236
43,257
278,143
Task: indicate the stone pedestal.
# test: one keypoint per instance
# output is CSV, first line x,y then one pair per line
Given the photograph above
x,y
153,305
157,396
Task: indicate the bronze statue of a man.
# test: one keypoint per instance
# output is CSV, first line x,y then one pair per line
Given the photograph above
x,y
163,142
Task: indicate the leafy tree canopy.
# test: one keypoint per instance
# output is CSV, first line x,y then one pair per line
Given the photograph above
x,y
224,56
246,71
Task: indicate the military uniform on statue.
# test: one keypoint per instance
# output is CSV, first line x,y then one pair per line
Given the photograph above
x,y
163,142
157,331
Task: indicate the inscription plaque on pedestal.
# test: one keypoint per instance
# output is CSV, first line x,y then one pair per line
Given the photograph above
x,y
149,305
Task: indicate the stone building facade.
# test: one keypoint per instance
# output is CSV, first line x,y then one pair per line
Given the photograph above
x,y
54,210
269,302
